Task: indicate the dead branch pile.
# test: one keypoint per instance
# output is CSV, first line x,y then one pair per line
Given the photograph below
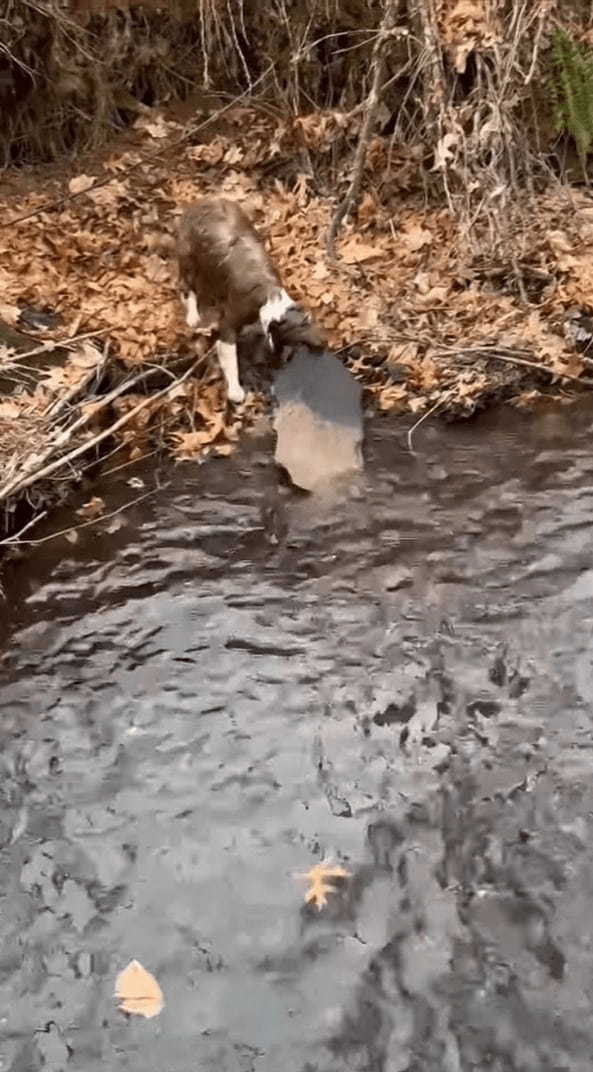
x,y
463,79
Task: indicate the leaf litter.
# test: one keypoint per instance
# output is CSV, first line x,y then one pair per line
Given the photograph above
x,y
418,315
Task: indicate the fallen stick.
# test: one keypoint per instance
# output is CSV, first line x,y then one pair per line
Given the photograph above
x,y
424,417
63,437
58,344
59,404
535,365
20,484
15,540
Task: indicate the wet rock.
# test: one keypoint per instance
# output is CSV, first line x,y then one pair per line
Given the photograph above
x,y
318,421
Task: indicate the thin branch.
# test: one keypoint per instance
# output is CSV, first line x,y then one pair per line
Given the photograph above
x,y
63,437
424,417
15,538
65,459
60,404
12,540
540,368
50,345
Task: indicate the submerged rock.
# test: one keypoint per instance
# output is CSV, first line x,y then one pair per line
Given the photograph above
x,y
318,420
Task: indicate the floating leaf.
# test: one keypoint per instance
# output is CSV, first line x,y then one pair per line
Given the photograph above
x,y
319,887
92,509
137,991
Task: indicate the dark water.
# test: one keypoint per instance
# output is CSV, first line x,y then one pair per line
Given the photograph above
x,y
191,714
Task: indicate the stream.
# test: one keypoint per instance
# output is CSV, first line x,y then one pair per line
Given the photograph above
x,y
205,696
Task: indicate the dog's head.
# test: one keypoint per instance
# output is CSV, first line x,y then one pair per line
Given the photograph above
x,y
295,328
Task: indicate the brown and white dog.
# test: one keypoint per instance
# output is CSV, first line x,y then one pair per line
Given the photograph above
x,y
227,279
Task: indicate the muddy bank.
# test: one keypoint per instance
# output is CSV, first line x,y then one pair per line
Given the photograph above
x,y
190,714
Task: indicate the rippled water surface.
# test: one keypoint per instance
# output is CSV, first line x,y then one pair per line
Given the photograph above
x,y
200,705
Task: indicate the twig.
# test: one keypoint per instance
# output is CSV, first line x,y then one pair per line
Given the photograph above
x,y
63,437
74,528
40,474
61,344
540,368
15,538
384,33
429,412
59,404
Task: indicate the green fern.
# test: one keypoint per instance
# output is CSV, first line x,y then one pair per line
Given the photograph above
x,y
572,92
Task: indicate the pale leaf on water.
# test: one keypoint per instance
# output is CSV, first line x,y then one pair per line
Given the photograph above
x,y
92,509
319,887
138,992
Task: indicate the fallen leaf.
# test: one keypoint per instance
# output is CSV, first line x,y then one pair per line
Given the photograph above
x,y
354,251
86,355
416,237
92,509
9,313
110,195
155,125
137,991
319,887
81,183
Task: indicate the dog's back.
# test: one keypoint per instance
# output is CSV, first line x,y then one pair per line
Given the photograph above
x,y
223,262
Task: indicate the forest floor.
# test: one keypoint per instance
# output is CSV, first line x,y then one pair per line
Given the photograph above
x,y
420,316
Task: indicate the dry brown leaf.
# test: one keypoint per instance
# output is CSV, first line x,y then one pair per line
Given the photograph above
x,y
81,183
392,397
86,355
109,196
402,353
319,886
137,991
155,125
9,313
416,237
9,411
354,251
92,509
190,444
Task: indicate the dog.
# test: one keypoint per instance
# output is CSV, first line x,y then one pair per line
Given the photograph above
x,y
227,279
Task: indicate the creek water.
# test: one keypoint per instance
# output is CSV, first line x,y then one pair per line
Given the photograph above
x,y
196,707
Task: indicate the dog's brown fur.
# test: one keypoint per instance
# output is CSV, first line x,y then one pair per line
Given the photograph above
x,y
223,261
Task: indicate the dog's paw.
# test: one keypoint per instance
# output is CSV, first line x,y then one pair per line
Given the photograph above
x,y
236,396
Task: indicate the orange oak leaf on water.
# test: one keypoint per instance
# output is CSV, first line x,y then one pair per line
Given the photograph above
x,y
319,886
137,991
